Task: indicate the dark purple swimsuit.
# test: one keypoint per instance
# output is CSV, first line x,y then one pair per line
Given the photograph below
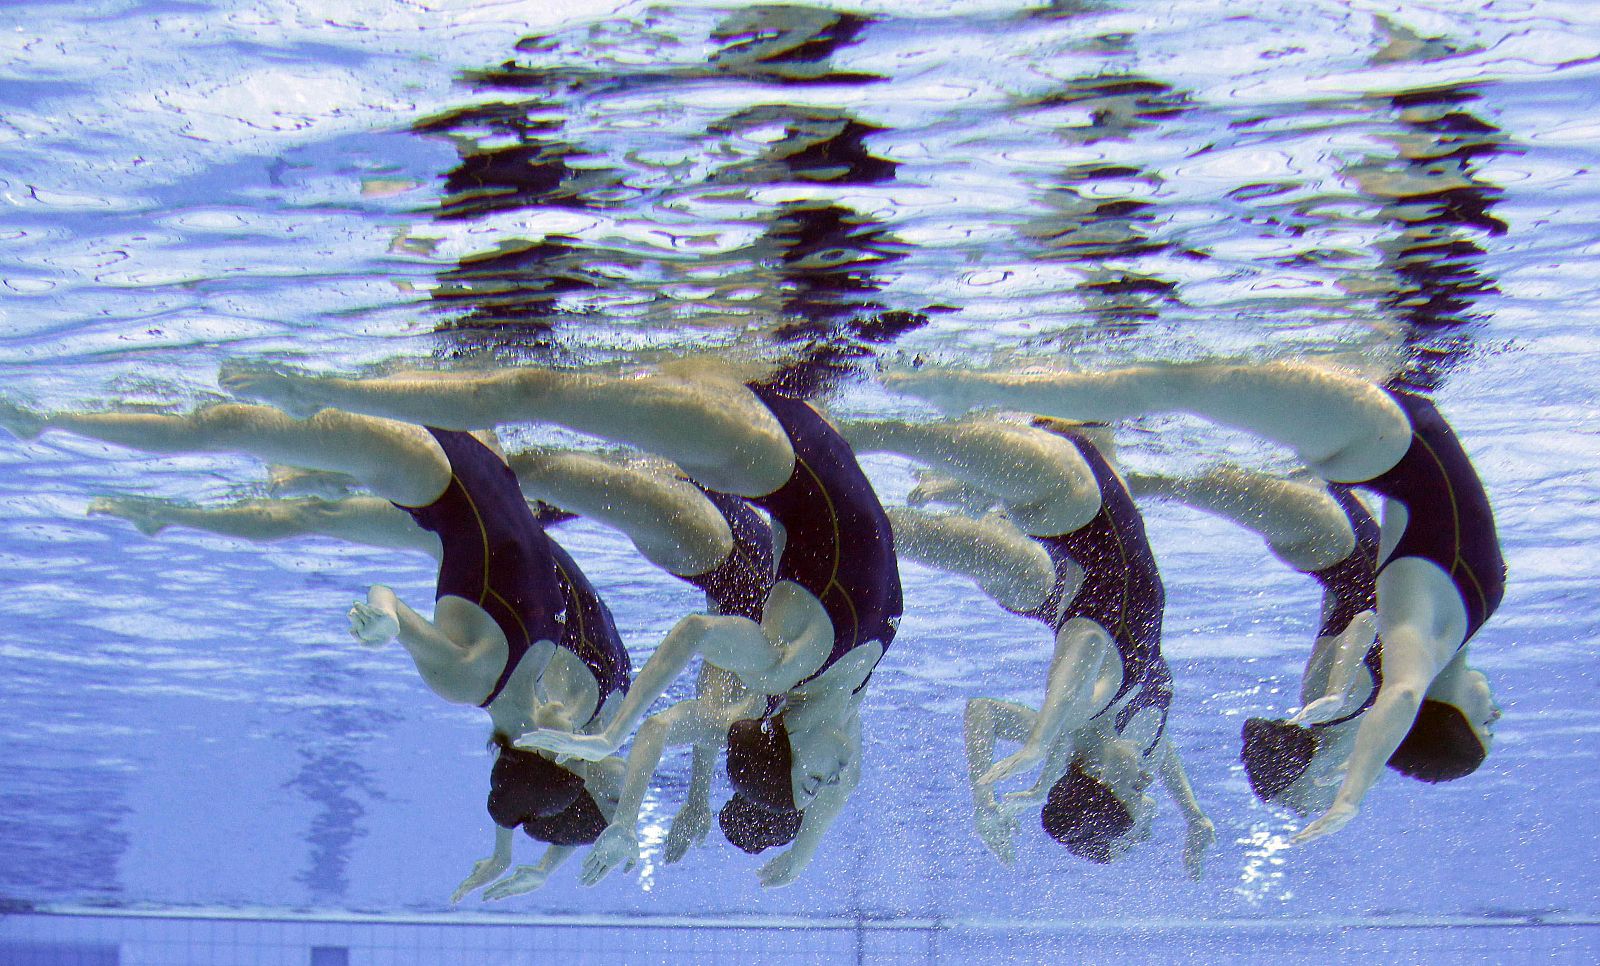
x,y
838,544
498,556
739,585
1121,590
1350,587
1448,519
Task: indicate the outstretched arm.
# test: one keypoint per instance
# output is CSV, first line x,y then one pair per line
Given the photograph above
x,y
693,821
487,870
818,817
792,640
1201,834
619,843
1082,649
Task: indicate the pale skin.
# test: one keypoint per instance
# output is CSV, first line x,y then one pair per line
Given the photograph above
x,y
1345,429
1304,527
1046,488
461,651
712,427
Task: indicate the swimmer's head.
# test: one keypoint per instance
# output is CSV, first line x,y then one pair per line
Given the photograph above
x,y
578,824
754,828
760,761
1083,814
525,785
1442,745
1275,755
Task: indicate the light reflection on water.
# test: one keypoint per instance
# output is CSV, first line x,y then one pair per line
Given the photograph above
x,y
814,190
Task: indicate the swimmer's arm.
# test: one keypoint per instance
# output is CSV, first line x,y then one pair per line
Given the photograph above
x,y
693,821
619,843
1408,669
1201,833
817,818
1300,521
457,671
487,870
1082,648
1346,670
987,720
527,878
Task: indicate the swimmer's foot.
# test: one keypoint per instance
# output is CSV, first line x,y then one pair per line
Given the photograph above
x,y
289,389
147,514
20,421
996,829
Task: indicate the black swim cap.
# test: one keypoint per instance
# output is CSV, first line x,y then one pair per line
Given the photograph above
x,y
1440,747
754,828
1275,755
1082,814
579,824
525,784
759,762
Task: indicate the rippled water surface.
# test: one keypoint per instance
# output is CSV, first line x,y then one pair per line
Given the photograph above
x,y
1400,187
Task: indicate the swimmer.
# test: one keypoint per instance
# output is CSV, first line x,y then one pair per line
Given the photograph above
x,y
713,541
517,629
825,623
1326,532
1440,574
1070,552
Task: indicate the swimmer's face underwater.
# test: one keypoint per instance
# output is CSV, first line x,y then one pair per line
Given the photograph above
x,y
768,768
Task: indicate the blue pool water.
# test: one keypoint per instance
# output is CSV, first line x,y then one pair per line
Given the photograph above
x,y
187,730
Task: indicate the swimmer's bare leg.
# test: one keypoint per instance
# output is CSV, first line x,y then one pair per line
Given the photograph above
x,y
1300,520
1039,475
668,519
399,462
715,429
1009,566
1076,669
1201,834
358,519
1341,425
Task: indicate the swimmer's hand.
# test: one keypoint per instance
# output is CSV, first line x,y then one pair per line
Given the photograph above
x,y
1025,758
1331,821
371,626
484,872
145,513
781,870
615,846
689,828
1202,836
996,828
524,880
286,388
587,747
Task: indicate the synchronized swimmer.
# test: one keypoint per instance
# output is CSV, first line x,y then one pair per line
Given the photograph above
x,y
757,500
